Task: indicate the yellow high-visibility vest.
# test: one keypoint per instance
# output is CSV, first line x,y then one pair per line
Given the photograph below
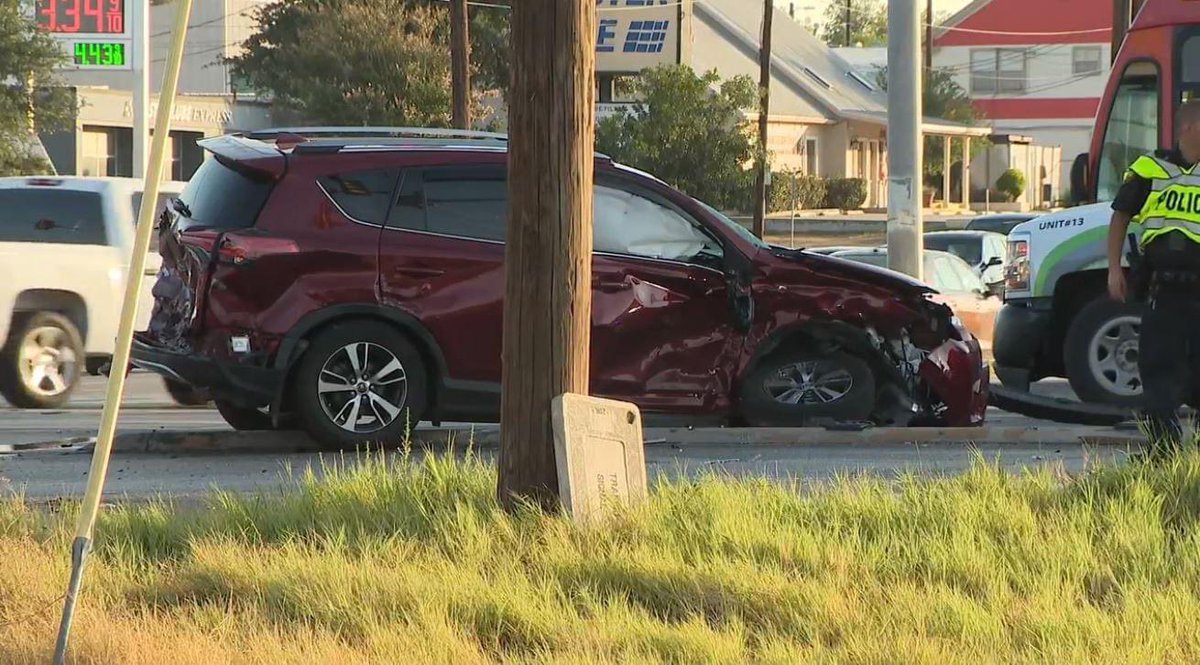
x,y
1174,201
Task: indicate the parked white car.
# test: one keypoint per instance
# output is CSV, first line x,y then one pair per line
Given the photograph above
x,y
984,251
65,244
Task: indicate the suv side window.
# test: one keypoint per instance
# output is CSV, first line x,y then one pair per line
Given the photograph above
x,y
466,202
363,196
640,224
52,215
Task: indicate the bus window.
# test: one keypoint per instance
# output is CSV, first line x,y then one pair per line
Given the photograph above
x,y
1187,61
1132,128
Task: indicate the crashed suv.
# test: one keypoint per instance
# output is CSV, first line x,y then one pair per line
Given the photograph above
x,y
351,283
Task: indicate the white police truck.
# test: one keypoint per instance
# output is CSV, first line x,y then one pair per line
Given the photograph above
x,y
1057,320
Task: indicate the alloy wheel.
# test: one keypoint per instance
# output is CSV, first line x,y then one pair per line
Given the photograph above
x,y
47,362
362,387
1113,355
809,382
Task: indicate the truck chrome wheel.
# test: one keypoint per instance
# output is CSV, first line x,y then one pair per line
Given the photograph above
x,y
1113,356
47,362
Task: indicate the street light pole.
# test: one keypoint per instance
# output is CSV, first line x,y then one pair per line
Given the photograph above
x,y
904,226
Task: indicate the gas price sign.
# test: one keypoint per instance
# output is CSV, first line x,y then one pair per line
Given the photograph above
x,y
78,17
100,55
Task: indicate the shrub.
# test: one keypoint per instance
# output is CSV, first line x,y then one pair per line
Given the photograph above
x,y
1011,184
845,193
688,129
788,187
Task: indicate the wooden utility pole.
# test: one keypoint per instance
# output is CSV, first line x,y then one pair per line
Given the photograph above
x,y
460,64
1123,13
548,297
928,35
764,108
847,25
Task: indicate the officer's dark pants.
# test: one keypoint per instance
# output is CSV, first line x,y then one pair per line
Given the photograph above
x,y
1169,359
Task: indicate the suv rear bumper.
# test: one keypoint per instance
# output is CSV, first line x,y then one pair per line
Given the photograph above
x,y
244,384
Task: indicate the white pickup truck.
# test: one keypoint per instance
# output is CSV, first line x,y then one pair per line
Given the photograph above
x,y
65,244
1057,319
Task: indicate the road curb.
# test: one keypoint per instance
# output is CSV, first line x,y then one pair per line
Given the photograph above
x,y
172,441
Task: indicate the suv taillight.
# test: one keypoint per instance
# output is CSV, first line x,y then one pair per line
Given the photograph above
x,y
1016,272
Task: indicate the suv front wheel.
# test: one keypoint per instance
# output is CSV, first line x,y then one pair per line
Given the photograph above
x,y
360,382
41,362
798,388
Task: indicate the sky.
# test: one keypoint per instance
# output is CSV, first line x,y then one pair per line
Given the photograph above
x,y
814,10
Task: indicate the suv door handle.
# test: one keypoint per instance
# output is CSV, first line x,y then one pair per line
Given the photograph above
x,y
609,286
417,272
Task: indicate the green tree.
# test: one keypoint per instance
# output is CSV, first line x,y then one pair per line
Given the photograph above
x,y
688,129
367,62
867,18
28,56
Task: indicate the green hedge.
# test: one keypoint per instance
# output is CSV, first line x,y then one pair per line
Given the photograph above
x,y
1011,184
845,193
807,192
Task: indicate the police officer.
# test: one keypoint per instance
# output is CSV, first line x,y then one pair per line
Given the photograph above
x,y
1162,194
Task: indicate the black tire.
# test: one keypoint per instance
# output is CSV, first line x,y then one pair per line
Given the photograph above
x,y
760,391
390,405
243,418
186,395
1084,347
63,345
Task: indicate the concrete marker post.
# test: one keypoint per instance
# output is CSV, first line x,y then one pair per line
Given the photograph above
x,y
133,282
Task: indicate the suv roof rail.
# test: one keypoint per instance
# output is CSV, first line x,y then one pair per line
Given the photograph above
x,y
372,132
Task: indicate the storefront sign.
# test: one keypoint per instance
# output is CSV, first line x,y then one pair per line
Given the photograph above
x,y
217,115
94,33
635,34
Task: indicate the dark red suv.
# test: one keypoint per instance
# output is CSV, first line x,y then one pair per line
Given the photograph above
x,y
351,282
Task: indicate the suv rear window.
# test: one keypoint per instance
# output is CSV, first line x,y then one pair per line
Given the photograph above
x,y
53,215
221,197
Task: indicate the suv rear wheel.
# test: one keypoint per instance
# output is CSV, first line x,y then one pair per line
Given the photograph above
x,y
41,362
360,382
795,388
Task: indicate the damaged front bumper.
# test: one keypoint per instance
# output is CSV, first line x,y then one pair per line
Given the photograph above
x,y
958,378
241,383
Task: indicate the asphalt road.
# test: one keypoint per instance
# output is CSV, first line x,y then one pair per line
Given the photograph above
x,y
48,474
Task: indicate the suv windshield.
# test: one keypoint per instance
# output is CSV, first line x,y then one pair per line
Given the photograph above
x,y
222,197
52,214
733,226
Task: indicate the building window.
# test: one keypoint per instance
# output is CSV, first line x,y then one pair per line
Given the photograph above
x,y
1085,60
996,70
810,157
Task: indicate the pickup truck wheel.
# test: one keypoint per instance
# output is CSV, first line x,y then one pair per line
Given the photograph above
x,y
185,395
41,362
243,418
793,389
360,382
1101,353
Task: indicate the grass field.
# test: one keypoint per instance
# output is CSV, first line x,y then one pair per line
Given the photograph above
x,y
413,563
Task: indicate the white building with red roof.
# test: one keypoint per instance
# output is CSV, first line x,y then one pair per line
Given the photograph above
x,y
1035,68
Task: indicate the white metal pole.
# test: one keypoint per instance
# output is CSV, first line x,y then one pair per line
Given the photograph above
x,y
141,84
904,227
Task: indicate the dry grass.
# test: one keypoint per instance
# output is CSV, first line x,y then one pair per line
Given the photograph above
x,y
412,562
